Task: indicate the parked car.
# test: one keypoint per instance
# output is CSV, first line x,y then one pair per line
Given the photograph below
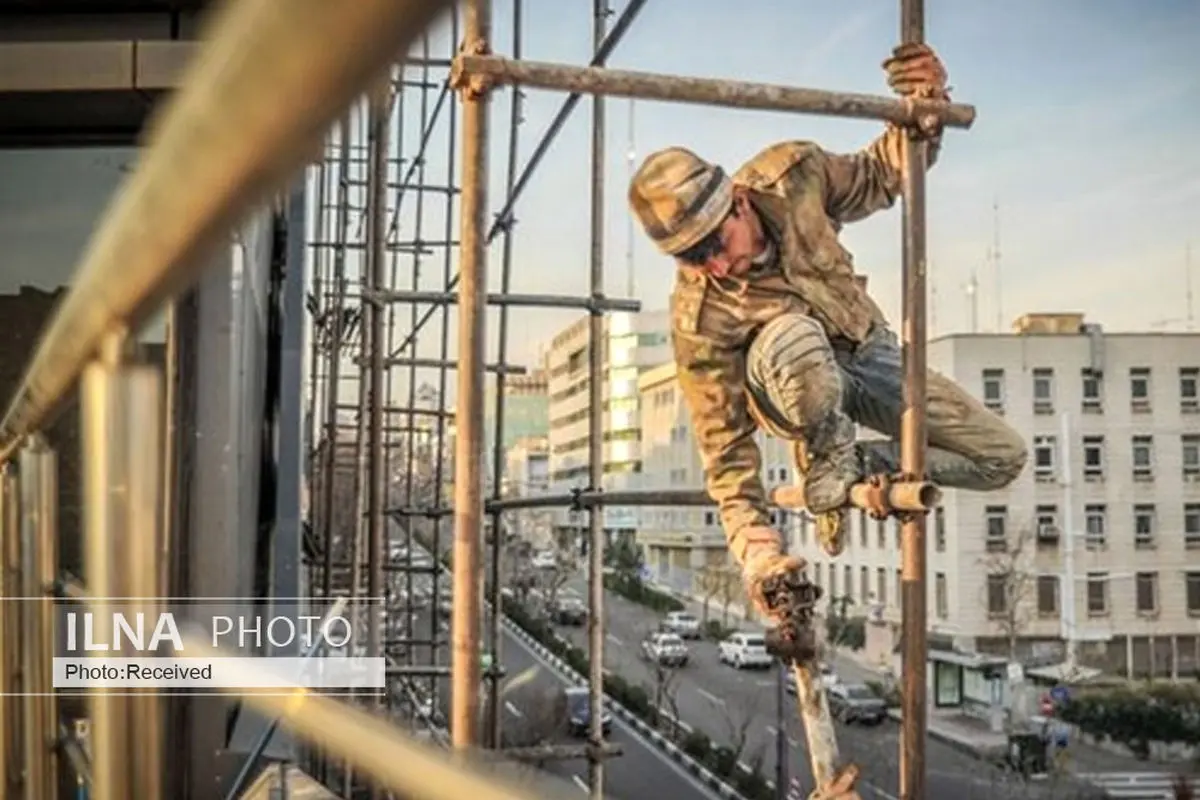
x,y
744,649
569,611
855,702
579,713
544,560
666,649
682,624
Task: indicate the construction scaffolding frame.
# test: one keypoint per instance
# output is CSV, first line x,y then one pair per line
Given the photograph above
x,y
231,138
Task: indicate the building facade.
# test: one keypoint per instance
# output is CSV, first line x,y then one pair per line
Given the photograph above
x,y
1097,542
632,343
527,474
526,409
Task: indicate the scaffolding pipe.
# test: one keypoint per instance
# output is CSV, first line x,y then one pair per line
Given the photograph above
x,y
495,719
11,656
913,441
472,335
504,216
513,299
334,364
252,108
596,383
121,480
711,91
376,265
39,535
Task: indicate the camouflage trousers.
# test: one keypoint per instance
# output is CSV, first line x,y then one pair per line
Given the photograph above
x,y
814,393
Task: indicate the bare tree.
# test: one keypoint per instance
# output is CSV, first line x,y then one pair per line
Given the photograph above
x,y
1009,594
708,581
737,718
664,693
729,584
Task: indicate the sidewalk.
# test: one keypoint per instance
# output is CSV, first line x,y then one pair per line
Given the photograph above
x,y
965,734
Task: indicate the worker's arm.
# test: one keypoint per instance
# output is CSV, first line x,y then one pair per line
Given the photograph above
x,y
713,379
857,185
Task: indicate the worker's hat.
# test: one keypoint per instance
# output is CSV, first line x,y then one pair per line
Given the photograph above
x,y
679,198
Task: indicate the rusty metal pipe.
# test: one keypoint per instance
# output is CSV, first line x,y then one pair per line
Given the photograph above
x,y
39,535
913,443
918,496
710,91
468,450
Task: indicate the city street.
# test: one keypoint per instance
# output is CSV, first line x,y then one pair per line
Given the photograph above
x,y
641,772
729,705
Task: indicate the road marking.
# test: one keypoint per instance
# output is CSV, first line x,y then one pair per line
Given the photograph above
x,y
880,792
764,683
581,783
614,640
510,708
712,698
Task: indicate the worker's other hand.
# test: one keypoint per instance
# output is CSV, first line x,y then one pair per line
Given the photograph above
x,y
914,70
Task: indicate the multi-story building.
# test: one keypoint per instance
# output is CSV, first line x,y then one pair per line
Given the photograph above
x,y
526,409
632,343
1101,530
527,474
678,542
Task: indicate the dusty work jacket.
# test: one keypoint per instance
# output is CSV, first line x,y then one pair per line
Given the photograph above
x,y
804,195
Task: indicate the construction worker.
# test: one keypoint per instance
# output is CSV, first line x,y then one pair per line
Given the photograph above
x,y
771,327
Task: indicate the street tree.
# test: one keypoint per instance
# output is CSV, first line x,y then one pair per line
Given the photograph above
x,y
1009,592
736,720
709,580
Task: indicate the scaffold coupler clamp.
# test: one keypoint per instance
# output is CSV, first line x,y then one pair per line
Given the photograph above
x,y
841,787
791,601
576,506
926,126
473,87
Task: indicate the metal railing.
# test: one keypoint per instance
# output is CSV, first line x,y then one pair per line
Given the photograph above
x,y
253,110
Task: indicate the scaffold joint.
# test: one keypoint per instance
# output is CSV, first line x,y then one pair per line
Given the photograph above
x,y
473,87
577,499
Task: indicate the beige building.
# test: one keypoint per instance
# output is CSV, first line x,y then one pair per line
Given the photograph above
x,y
1098,541
632,343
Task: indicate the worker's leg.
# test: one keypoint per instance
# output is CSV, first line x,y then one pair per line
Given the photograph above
x,y
798,387
970,447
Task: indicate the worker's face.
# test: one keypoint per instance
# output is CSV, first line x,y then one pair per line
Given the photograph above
x,y
741,240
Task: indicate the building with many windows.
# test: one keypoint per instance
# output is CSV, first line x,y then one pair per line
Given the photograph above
x,y
1098,541
632,343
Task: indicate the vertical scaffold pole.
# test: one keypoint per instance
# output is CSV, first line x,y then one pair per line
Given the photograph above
x,y
39,537
913,440
596,352
122,479
468,446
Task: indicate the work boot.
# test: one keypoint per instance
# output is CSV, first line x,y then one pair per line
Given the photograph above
x,y
826,481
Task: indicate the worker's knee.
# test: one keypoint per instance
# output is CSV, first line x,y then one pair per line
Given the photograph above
x,y
1005,459
792,372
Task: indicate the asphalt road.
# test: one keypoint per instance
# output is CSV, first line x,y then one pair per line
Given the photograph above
x,y
729,705
639,773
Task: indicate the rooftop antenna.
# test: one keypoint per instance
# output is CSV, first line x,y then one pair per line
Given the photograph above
x,y
972,290
994,257
631,156
1187,277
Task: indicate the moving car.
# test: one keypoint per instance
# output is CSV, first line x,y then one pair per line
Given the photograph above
x,y
579,713
855,702
666,649
682,624
744,649
569,611
829,678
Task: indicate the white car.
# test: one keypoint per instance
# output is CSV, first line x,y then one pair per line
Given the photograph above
x,y
743,649
682,624
665,649
544,560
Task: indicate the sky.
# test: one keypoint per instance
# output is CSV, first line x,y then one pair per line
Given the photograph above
x,y
1085,140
